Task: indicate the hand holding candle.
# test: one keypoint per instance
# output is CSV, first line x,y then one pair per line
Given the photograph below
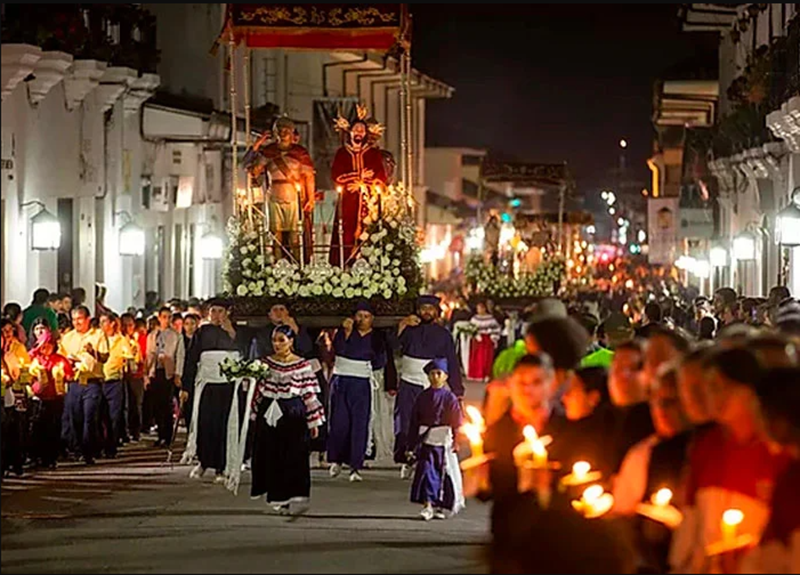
x,y
731,520
474,430
594,502
660,509
537,445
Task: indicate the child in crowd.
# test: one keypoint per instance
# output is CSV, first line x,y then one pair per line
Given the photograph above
x,y
434,424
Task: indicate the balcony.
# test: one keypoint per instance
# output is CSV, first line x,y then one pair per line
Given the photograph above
x,y
122,35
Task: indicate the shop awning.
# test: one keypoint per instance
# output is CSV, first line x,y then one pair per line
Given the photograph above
x,y
317,26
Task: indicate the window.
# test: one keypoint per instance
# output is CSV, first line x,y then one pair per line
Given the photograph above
x,y
471,160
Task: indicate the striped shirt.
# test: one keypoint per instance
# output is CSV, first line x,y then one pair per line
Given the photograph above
x,y
289,380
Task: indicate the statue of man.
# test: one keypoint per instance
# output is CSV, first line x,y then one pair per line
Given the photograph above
x,y
288,172
357,167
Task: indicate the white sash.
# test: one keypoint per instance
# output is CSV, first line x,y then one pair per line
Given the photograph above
x,y
207,373
352,367
442,436
412,370
234,456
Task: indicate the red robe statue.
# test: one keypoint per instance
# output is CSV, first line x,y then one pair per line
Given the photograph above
x,y
353,169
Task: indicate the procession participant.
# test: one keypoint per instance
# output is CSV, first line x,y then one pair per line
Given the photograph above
x,y
287,170
191,323
15,361
629,396
421,339
360,352
656,462
285,413
434,424
118,353
80,346
165,355
778,550
580,434
13,311
482,347
39,308
134,330
50,387
279,314
357,167
39,327
730,466
213,393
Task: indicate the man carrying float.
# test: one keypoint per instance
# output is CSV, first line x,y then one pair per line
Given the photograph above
x,y
360,355
421,340
286,169
211,432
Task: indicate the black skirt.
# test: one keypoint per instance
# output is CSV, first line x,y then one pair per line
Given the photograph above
x,y
212,425
280,466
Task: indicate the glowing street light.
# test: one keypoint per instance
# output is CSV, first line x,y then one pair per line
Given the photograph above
x,y
744,246
211,246
789,222
45,230
623,144
131,240
718,256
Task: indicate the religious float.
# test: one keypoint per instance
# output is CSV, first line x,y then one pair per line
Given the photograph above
x,y
370,248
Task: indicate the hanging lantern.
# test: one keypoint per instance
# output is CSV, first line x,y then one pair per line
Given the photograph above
x,y
718,256
789,222
131,240
744,247
45,231
211,246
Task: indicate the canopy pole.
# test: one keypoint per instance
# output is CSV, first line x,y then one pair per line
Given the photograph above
x,y
234,135
403,131
246,79
409,127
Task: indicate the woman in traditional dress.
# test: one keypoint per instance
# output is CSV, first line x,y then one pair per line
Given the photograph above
x,y
482,347
286,414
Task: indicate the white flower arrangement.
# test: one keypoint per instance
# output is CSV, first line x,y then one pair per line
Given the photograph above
x,y
386,267
486,280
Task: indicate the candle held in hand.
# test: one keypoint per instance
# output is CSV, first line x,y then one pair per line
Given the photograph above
x,y
536,445
662,497
731,520
580,470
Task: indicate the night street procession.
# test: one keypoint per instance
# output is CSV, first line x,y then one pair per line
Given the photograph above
x,y
400,288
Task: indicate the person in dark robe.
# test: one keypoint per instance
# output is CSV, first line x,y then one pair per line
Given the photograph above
x,y
213,393
434,424
280,314
359,353
421,340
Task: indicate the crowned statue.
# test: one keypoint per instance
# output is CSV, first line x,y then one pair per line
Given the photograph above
x,y
285,171
359,169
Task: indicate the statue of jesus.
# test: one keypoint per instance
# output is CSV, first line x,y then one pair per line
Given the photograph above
x,y
358,167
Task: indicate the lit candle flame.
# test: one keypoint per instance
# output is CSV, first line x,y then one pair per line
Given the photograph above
x,y
476,416
662,497
731,519
580,470
339,189
297,186
537,446
592,494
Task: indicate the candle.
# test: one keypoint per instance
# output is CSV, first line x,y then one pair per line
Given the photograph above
x,y
580,470
473,430
731,520
594,502
536,445
662,497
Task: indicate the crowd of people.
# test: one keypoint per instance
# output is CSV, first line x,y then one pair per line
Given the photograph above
x,y
658,389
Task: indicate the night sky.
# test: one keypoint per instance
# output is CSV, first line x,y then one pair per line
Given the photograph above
x,y
550,83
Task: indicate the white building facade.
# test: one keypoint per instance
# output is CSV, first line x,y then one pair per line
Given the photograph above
x,y
102,145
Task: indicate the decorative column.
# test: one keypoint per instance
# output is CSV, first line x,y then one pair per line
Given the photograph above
x,y
84,77
18,62
50,70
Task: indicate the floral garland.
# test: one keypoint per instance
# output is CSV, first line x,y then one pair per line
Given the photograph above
x,y
467,329
387,266
485,279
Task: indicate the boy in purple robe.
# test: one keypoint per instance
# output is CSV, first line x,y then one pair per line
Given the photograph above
x,y
435,420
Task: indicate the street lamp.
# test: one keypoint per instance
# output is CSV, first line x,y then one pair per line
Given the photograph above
x,y
45,229
131,238
702,269
718,256
623,144
211,246
744,246
789,222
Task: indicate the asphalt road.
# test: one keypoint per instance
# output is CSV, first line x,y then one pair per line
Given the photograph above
x,y
138,514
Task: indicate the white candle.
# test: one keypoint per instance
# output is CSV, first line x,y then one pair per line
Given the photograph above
x,y
731,520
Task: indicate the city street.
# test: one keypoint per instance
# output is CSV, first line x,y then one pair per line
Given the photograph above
x,y
136,514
